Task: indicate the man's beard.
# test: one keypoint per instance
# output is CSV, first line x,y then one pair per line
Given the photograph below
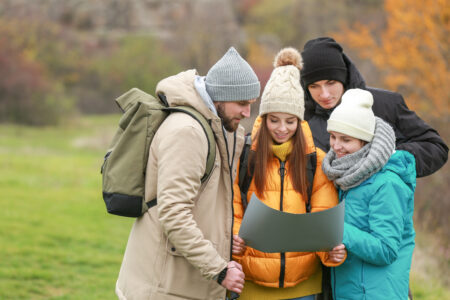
x,y
226,121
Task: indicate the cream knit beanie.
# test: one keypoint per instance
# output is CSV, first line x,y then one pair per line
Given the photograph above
x,y
354,116
283,92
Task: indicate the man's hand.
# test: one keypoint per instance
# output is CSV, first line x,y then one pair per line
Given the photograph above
x,y
234,281
337,254
238,245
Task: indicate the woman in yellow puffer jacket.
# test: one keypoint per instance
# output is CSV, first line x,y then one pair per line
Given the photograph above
x,y
281,142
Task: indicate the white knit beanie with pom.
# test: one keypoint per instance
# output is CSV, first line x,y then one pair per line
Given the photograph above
x,y
283,92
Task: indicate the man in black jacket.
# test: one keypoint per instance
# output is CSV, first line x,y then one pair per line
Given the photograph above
x,y
327,73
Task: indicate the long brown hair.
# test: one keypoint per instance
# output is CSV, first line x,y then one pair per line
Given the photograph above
x,y
297,159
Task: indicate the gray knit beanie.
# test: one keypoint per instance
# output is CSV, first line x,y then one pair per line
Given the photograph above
x,y
232,79
283,92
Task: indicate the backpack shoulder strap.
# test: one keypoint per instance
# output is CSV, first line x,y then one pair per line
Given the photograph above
x,y
245,178
209,135
310,171
311,161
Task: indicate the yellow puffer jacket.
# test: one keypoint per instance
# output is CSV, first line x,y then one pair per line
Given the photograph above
x,y
290,268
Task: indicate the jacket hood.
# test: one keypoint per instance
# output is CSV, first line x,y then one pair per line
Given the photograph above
x,y
403,164
180,90
354,80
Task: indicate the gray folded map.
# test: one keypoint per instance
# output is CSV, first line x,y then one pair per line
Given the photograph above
x,y
271,230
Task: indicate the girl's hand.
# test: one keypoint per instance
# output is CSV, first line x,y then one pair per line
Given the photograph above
x,y
238,245
337,254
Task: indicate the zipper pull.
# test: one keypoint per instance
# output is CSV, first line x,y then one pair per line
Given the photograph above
x,y
282,170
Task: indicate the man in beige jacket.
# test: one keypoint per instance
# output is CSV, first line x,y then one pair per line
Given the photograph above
x,y
181,249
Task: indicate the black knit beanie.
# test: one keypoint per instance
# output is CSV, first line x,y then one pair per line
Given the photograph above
x,y
322,60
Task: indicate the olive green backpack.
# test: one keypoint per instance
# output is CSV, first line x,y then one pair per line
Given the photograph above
x,y
125,162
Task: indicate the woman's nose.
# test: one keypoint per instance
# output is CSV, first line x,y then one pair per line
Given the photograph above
x,y
336,145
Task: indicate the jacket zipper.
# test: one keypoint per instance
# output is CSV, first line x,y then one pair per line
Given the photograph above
x,y
230,165
342,195
282,172
362,278
334,284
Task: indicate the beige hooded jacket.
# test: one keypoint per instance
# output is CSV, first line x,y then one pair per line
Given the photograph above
x,y
176,248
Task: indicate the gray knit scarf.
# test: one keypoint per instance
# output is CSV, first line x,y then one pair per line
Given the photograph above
x,y
351,170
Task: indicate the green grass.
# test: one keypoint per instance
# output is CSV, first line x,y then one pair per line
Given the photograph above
x,y
428,288
56,239
429,271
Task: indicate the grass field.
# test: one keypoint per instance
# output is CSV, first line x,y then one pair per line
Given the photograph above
x,y
56,239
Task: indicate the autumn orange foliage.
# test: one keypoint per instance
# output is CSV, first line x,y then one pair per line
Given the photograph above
x,y
261,59
411,51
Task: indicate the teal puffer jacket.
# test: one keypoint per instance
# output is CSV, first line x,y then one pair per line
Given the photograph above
x,y
378,234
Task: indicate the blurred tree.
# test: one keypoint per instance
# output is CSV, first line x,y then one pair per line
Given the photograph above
x,y
55,69
273,18
272,25
28,93
412,51
284,23
131,61
242,8
202,31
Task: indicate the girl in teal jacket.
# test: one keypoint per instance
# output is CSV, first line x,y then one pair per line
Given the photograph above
x,y
377,184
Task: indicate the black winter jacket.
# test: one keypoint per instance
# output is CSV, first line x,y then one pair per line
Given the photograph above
x,y
412,133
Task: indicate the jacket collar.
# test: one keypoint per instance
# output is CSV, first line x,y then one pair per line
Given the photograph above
x,y
319,110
